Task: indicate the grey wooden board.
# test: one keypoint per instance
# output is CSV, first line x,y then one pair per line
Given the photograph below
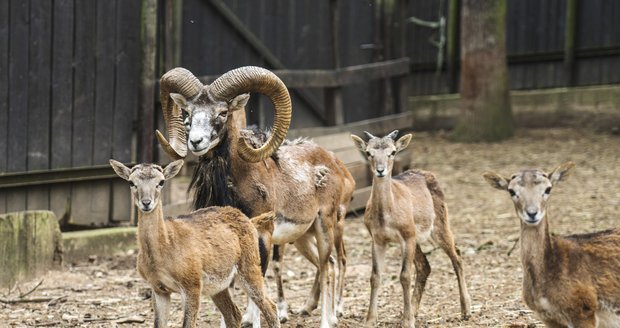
x,y
90,204
60,200
4,86
122,205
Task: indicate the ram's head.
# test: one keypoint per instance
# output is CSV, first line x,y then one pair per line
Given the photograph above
x,y
198,114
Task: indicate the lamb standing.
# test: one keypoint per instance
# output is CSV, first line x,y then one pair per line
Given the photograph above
x,y
204,250
406,209
571,281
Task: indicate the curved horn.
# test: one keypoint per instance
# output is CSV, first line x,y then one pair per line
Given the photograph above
x,y
257,79
177,80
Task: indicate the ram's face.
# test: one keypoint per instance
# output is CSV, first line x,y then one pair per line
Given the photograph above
x,y
205,120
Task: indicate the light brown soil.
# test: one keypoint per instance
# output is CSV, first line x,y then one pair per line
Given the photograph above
x,y
99,293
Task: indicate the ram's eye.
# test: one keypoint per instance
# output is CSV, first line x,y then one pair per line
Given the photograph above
x,y
161,183
548,190
223,114
512,192
131,184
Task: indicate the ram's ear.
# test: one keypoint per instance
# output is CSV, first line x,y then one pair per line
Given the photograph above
x,y
120,169
239,102
560,172
496,181
359,143
172,169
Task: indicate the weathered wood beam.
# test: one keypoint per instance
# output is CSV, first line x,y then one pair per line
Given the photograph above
x,y
569,41
323,78
263,51
35,178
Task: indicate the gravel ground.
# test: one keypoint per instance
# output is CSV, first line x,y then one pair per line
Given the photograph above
x,y
107,292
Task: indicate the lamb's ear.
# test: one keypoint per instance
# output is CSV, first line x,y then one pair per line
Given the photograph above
x,y
496,181
403,142
359,143
560,172
239,102
120,169
172,169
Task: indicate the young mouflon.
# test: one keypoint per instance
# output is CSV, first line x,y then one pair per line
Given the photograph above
x,y
408,209
199,252
568,281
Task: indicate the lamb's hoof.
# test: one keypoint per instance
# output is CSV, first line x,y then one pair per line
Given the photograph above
x,y
246,325
282,312
465,316
283,319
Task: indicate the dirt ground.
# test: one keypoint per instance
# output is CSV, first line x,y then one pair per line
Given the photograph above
x,y
105,292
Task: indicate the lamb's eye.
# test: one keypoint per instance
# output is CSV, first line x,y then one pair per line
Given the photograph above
x,y
512,192
393,153
161,183
368,154
131,184
548,190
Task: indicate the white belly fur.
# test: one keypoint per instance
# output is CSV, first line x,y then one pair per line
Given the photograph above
x,y
213,284
287,232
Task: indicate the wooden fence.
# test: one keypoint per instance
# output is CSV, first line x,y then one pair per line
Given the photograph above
x,y
78,77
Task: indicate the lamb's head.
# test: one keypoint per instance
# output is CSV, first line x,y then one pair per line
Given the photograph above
x,y
199,115
529,190
381,151
146,181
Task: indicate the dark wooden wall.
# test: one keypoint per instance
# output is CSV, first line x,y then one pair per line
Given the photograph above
x,y
70,74
69,81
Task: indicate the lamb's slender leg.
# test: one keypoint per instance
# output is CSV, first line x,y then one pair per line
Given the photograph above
x,y
161,307
278,256
253,285
423,269
342,261
192,304
408,254
444,238
306,245
323,227
378,261
230,312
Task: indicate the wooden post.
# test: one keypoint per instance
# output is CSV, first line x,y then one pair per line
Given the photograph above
x,y
147,80
334,110
31,244
173,16
569,41
452,44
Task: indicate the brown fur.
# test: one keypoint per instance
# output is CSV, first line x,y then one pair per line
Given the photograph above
x,y
201,251
407,209
571,281
306,186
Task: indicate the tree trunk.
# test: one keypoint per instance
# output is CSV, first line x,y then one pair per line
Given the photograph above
x,y
485,104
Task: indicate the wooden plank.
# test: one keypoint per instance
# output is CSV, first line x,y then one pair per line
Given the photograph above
x,y
83,195
127,101
39,98
127,78
61,102
378,126
17,153
263,50
146,115
4,88
104,81
121,202
335,142
84,83
569,41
